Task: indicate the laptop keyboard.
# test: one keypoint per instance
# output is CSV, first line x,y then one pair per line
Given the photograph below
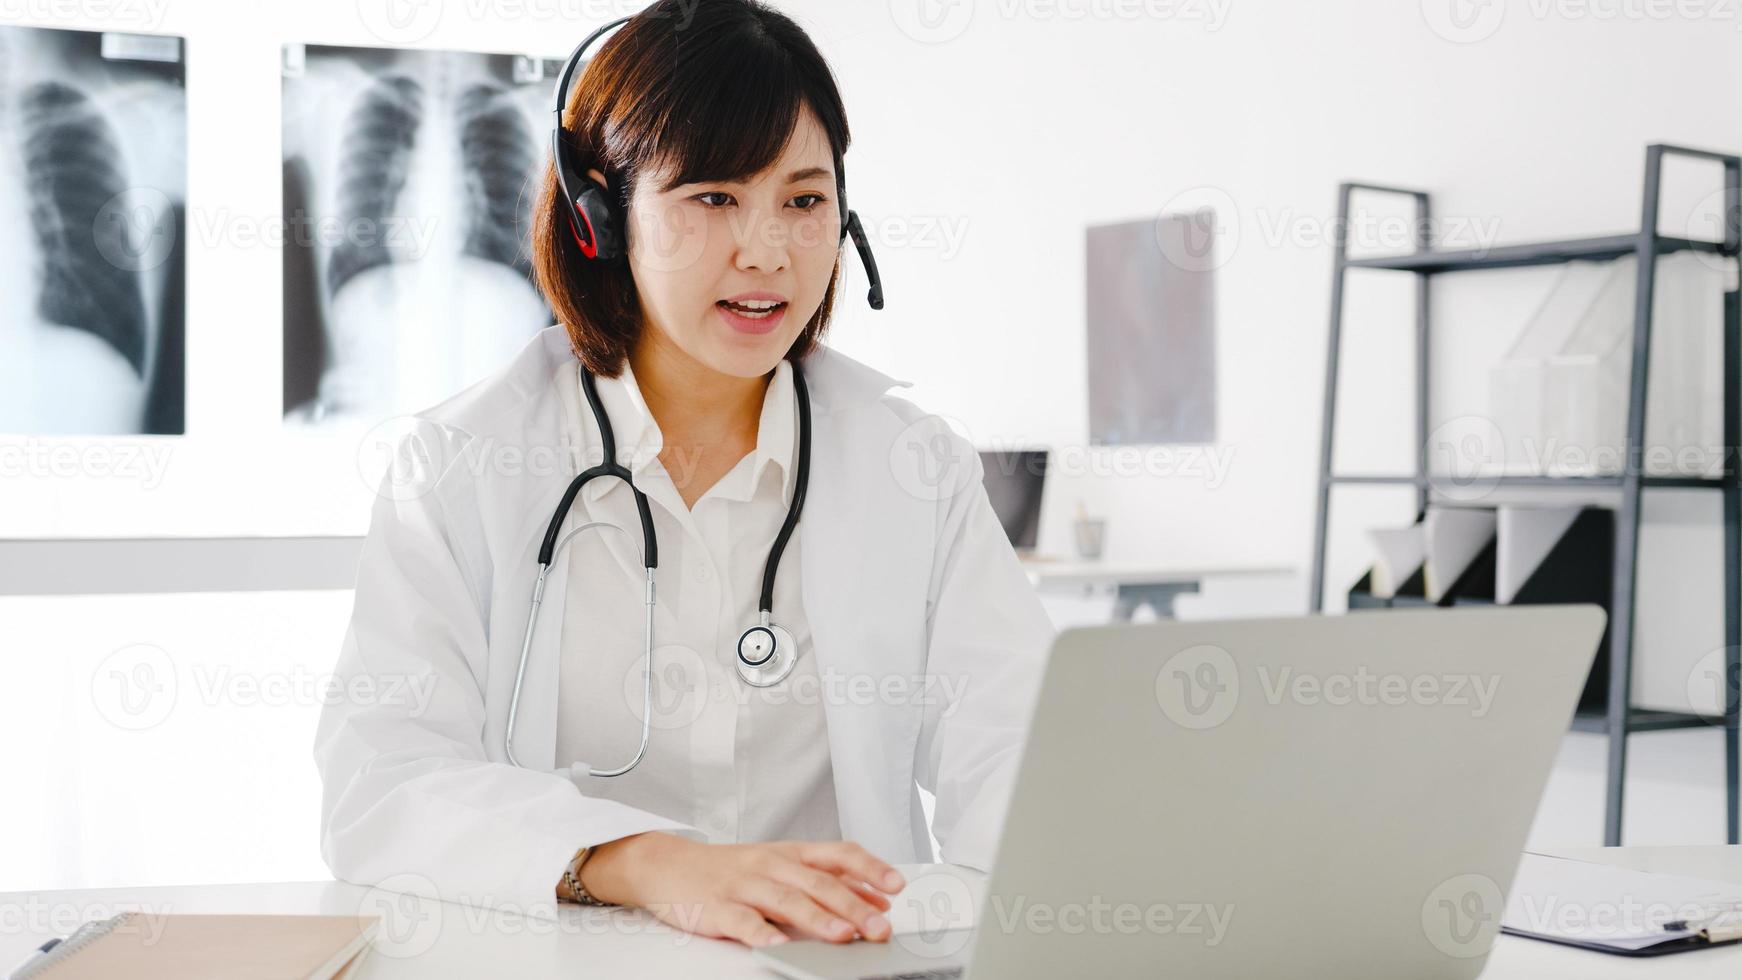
x,y
944,973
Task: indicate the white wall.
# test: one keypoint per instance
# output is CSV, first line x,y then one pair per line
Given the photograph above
x,y
157,739
1028,127
979,157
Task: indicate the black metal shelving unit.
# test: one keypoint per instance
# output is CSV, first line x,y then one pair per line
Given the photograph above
x,y
1620,719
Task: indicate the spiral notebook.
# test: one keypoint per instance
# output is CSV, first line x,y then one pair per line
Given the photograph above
x,y
196,947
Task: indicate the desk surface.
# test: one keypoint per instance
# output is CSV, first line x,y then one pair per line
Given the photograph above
x,y
1050,571
423,937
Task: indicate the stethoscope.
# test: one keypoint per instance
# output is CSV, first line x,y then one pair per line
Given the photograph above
x,y
766,651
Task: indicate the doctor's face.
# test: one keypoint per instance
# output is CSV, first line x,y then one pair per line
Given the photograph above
x,y
729,272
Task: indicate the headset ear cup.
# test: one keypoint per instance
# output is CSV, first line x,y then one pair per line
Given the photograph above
x,y
598,219
841,205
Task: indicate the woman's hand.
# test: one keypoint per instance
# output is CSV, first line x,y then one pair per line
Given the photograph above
x,y
734,891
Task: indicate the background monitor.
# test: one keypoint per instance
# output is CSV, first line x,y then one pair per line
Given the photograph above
x,y
1014,479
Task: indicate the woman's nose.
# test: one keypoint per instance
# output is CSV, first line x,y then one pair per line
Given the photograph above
x,y
764,243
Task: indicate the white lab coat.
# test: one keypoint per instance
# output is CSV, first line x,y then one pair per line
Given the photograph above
x,y
445,582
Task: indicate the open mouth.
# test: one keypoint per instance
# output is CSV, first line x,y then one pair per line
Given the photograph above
x,y
758,310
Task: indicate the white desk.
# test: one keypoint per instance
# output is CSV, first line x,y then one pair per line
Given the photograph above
x,y
1134,585
426,938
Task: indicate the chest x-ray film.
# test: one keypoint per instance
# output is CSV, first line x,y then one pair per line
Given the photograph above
x,y
1152,331
409,183
93,197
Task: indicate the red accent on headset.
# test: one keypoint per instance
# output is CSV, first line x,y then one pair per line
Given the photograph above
x,y
590,251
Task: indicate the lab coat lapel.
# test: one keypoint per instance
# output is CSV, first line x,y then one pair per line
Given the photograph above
x,y
846,557
831,546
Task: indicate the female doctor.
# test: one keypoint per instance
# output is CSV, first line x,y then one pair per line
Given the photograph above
x,y
833,617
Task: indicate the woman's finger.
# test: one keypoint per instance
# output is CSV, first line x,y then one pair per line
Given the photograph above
x,y
833,894
848,858
732,920
784,903
865,892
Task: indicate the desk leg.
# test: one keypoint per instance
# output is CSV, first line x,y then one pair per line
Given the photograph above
x,y
1132,596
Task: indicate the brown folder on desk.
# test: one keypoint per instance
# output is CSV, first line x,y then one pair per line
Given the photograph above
x,y
195,947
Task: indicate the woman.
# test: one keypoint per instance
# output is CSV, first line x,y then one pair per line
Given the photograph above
x,y
918,642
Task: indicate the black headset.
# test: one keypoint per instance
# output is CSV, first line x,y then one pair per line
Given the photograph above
x,y
597,220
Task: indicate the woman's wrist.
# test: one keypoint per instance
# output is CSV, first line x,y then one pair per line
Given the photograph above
x,y
610,871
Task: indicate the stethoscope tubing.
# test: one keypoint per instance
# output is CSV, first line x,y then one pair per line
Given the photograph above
x,y
646,660
550,545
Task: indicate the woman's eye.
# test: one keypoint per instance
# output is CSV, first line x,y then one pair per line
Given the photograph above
x,y
708,198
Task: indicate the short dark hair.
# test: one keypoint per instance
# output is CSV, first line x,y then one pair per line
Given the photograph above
x,y
691,90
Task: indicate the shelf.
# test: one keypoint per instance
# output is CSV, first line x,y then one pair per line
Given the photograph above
x,y
1620,596
1521,480
1528,254
1640,720
1406,481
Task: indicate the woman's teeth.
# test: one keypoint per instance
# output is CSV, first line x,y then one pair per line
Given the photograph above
x,y
754,310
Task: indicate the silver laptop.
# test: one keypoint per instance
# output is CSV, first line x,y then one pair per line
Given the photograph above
x,y
1337,797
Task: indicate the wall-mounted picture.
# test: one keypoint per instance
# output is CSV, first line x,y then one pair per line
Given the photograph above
x,y
409,182
1152,330
93,197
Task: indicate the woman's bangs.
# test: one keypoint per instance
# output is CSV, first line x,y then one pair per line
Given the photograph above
x,y
734,123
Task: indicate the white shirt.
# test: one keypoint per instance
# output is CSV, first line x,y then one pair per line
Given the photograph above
x,y
734,762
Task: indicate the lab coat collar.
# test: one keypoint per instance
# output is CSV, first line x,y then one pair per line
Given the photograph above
x,y
835,382
640,440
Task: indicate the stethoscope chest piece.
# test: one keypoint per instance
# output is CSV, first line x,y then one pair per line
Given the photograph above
x,y
766,654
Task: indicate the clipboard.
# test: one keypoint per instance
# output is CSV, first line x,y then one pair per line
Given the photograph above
x,y
1618,910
